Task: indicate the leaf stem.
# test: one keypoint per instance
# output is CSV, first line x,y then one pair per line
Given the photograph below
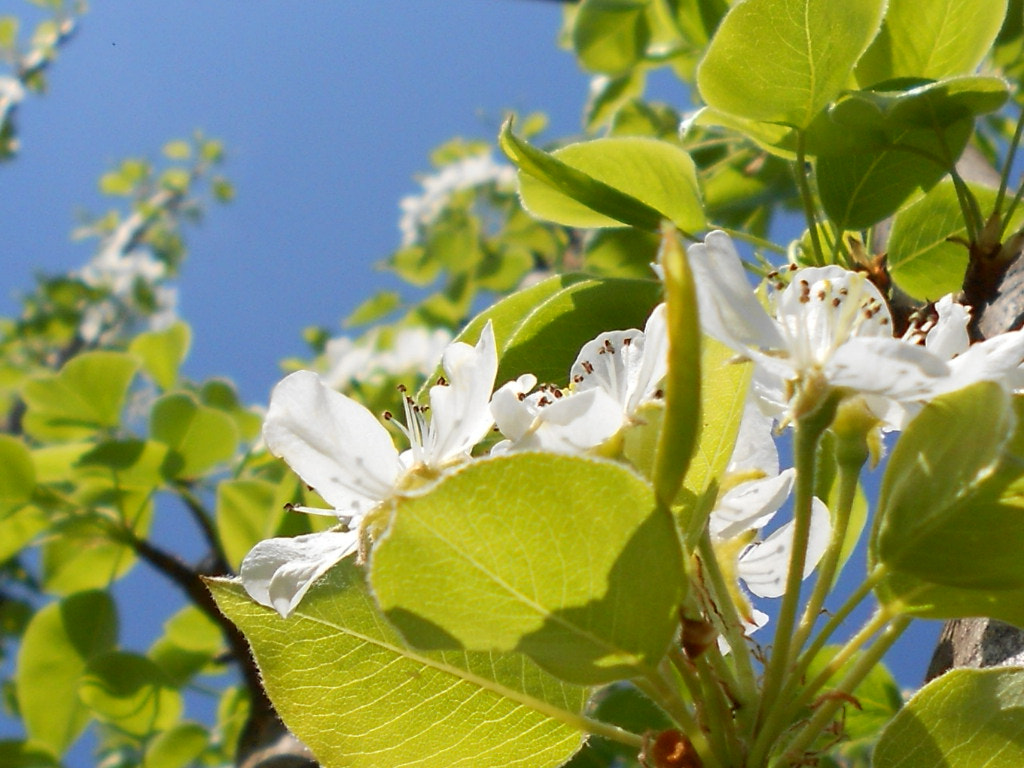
x,y
1004,177
660,691
807,198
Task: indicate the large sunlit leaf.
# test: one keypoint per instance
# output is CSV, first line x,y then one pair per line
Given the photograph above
x,y
782,61
950,524
609,182
659,173
86,395
931,38
345,683
57,646
563,558
968,718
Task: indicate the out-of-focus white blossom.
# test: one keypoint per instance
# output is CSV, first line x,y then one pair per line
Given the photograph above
x,y
413,350
420,211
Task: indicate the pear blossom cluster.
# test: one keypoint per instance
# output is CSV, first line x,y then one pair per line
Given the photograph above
x,y
827,330
348,455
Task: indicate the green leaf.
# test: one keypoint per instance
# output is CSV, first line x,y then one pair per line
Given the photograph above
x,y
861,188
58,644
934,105
84,555
623,705
389,705
877,697
176,747
562,558
621,253
922,260
18,754
200,437
130,692
948,533
604,201
965,719
540,330
611,36
162,353
130,463
657,174
375,308
86,395
17,472
931,38
20,527
782,61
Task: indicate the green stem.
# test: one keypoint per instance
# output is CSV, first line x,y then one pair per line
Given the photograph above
x,y
849,476
806,198
1004,177
1013,205
826,712
805,442
746,237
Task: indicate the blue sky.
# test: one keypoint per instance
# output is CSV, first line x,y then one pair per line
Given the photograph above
x,y
328,110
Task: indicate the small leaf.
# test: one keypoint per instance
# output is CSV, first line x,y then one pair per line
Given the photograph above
x,y
389,705
562,558
783,61
965,719
162,353
931,38
177,150
58,644
85,396
659,174
248,511
611,36
17,473
200,436
177,747
924,259
130,692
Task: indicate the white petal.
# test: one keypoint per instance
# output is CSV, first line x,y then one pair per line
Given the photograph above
x,y
764,566
997,359
755,444
949,337
277,573
332,442
750,505
460,414
612,362
729,310
890,367
655,359
512,415
573,424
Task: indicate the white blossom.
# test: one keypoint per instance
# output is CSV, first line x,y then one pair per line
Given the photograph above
x,y
420,211
614,375
413,350
829,328
339,448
